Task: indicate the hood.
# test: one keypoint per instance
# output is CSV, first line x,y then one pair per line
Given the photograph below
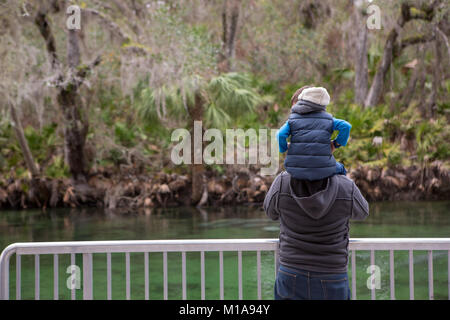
x,y
303,106
317,204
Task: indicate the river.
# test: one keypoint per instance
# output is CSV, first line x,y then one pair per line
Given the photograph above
x,y
387,219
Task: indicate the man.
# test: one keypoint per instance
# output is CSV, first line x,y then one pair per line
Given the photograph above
x,y
314,234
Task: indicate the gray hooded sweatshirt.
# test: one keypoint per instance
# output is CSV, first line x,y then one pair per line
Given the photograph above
x,y
314,220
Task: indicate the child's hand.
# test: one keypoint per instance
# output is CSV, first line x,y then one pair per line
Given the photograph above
x,y
333,148
289,144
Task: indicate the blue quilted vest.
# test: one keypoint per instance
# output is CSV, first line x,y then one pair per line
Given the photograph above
x,y
309,156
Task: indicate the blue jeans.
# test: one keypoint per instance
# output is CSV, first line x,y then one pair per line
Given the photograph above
x,y
296,284
340,169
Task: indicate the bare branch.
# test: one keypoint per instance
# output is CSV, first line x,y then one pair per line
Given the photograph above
x,y
116,30
73,49
84,71
28,157
112,26
46,32
423,38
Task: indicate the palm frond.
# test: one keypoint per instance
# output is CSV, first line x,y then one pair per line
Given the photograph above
x,y
158,105
146,106
216,117
233,93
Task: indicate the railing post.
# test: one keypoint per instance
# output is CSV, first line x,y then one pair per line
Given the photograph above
x,y
240,274
258,273
108,276
202,274
73,295
353,275
183,275
127,276
372,264
411,275
221,290
87,276
4,274
18,278
146,277
37,272
55,277
392,274
430,275
165,276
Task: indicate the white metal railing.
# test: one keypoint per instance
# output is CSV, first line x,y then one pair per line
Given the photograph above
x,y
88,248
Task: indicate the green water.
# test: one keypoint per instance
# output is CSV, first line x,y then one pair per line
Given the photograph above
x,y
404,219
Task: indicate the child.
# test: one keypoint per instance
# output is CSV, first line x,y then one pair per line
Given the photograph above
x,y
310,153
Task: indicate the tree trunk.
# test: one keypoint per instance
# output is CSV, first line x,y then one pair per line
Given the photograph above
x,y
421,88
409,92
232,36
229,32
406,96
76,125
224,25
17,124
197,169
436,78
392,50
361,70
376,88
73,49
75,131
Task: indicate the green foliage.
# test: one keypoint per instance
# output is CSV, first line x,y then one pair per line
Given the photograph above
x,y
217,117
116,156
43,140
226,98
433,140
110,103
42,144
10,154
124,134
373,59
57,168
231,95
430,138
339,75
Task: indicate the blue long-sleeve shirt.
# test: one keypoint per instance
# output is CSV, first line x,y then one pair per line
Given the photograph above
x,y
338,125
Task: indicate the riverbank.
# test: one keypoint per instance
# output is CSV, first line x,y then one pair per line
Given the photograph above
x,y
245,187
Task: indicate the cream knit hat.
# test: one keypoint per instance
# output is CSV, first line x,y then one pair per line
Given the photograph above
x,y
316,95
